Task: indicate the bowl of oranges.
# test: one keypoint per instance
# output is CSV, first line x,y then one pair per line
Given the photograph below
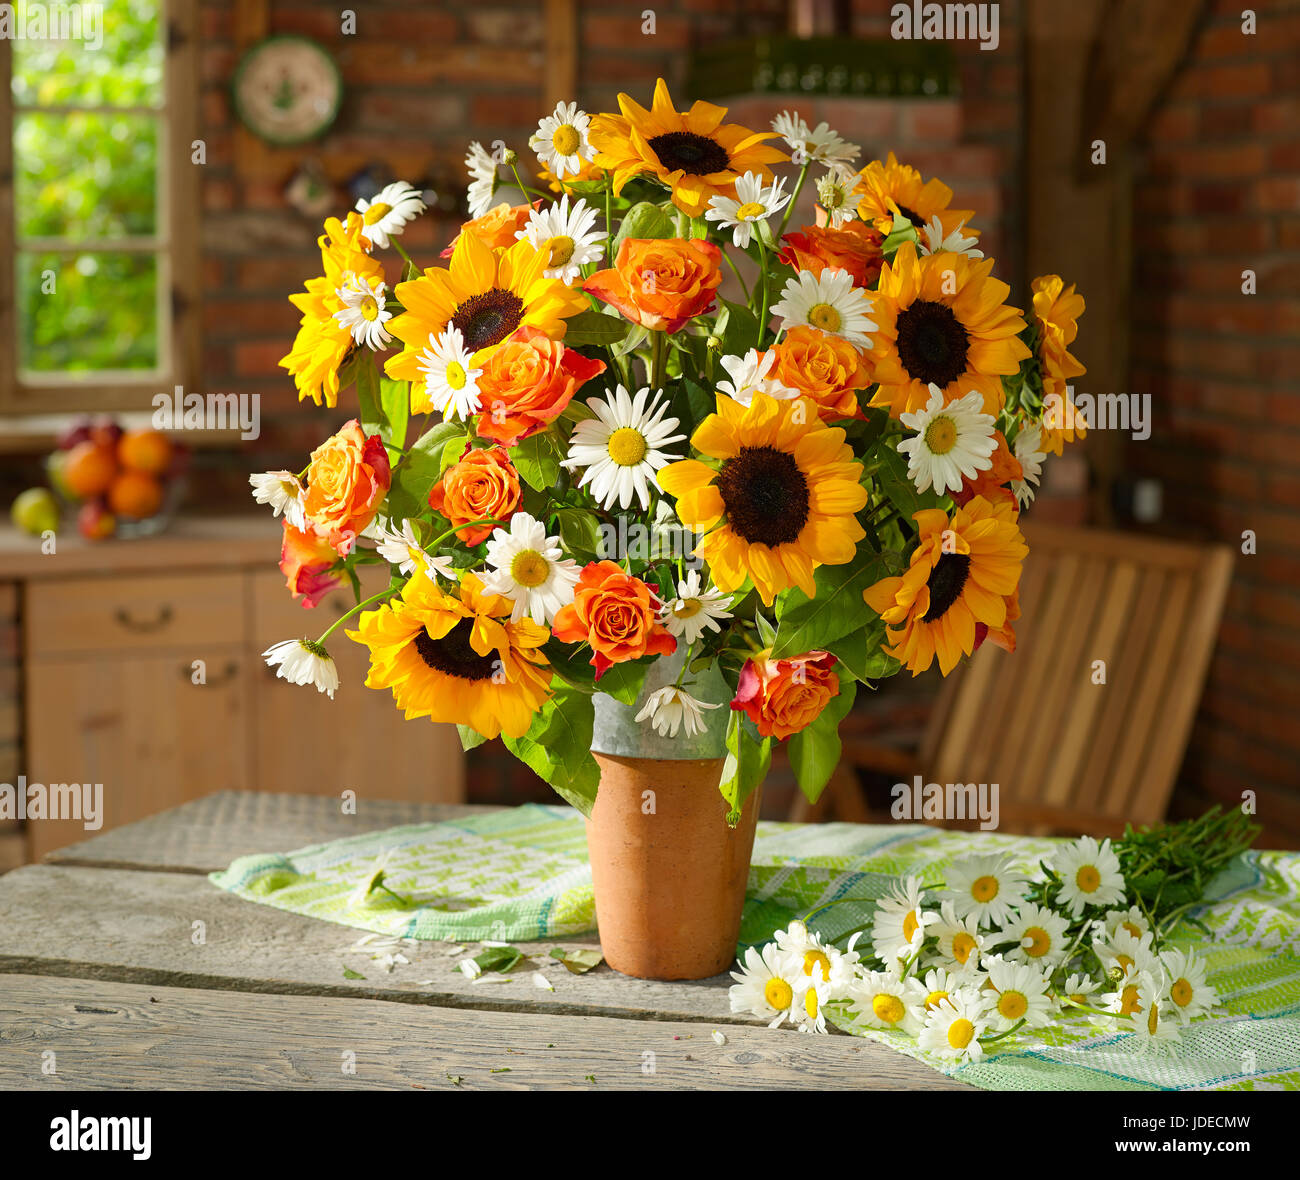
x,y
122,483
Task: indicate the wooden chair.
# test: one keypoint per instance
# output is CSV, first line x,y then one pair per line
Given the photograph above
x,y
1070,755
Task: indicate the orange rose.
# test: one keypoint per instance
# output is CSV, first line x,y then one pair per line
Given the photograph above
x,y
346,482
660,283
305,560
497,227
526,382
827,369
991,482
782,697
483,483
617,614
855,248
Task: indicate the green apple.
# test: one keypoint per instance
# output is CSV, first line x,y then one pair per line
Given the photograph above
x,y
36,511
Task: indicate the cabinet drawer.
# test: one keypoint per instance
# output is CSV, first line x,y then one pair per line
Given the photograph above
x,y
134,613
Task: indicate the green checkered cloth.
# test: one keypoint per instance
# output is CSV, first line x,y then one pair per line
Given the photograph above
x,y
521,874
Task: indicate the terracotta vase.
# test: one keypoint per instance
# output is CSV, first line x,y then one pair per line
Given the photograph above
x,y
669,874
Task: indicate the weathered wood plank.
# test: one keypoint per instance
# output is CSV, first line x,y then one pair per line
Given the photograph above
x,y
139,927
205,835
114,1036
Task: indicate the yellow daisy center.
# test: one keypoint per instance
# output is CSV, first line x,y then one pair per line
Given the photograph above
x,y
941,435
529,568
1131,928
456,375
934,999
369,307
562,248
749,210
1128,1000
810,1002
1181,993
377,212
960,1032
909,925
1040,942
627,446
1012,1005
888,1008
1153,1019
825,317
1125,962
962,945
813,959
1078,998
566,139
778,993
1087,879
688,608
984,889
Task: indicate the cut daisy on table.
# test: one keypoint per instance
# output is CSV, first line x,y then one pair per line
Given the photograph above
x,y
828,302
960,941
987,887
1021,995
569,234
898,929
884,1000
1090,875
386,214
953,442
753,204
1039,936
622,447
815,955
953,1027
529,568
1078,990
1127,953
766,984
1130,921
561,142
450,380
695,610
814,993
1188,993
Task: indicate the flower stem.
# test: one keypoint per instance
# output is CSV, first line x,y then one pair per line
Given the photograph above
x,y
469,524
659,358
999,1036
736,271
762,278
348,614
794,196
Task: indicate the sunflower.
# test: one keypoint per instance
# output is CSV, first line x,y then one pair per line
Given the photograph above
x,y
1057,309
884,189
964,571
941,320
693,153
487,294
322,343
456,657
788,487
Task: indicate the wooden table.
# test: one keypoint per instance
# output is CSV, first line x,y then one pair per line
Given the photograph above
x,y
121,958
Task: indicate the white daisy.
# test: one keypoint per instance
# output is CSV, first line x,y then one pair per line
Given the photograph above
x,y
886,1001
1078,989
940,984
822,145
1089,875
401,547
960,942
753,202
829,302
670,709
622,447
1039,935
1128,953
951,441
953,1028
561,142
1132,921
814,993
482,170
985,887
1188,993
388,212
694,610
526,566
1021,995
282,491
749,375
765,984
364,312
835,195
837,966
569,235
1031,456
898,928
1154,1029
450,380
304,661
934,242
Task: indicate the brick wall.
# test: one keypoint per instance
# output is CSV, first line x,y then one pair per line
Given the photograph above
x,y
1219,193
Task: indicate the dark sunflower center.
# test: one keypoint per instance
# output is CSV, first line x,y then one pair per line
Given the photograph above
x,y
946,582
932,343
488,318
912,215
766,495
452,654
696,154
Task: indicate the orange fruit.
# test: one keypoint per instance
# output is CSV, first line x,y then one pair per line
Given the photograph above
x,y
149,451
88,469
135,494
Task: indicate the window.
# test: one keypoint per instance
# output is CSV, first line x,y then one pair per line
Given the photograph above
x,y
98,224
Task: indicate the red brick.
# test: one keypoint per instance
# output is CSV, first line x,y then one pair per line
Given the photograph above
x,y
930,122
1280,194
259,358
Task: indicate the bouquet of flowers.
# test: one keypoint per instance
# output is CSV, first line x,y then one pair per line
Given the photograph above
x,y
636,415
990,950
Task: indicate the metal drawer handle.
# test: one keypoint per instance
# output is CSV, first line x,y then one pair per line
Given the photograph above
x,y
143,626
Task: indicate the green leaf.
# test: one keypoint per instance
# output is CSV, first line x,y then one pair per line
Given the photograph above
x,y
580,961
645,221
809,624
580,532
395,401
766,632
815,751
469,738
537,459
624,681
862,654
348,973
748,759
409,495
558,747
368,395
891,473
636,337
901,231
499,958
740,330
594,328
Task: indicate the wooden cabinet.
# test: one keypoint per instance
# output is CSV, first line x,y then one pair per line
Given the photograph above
x,y
142,670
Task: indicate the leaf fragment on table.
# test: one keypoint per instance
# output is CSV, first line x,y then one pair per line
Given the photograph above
x,y
455,1079
580,961
503,1069
498,957
348,973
